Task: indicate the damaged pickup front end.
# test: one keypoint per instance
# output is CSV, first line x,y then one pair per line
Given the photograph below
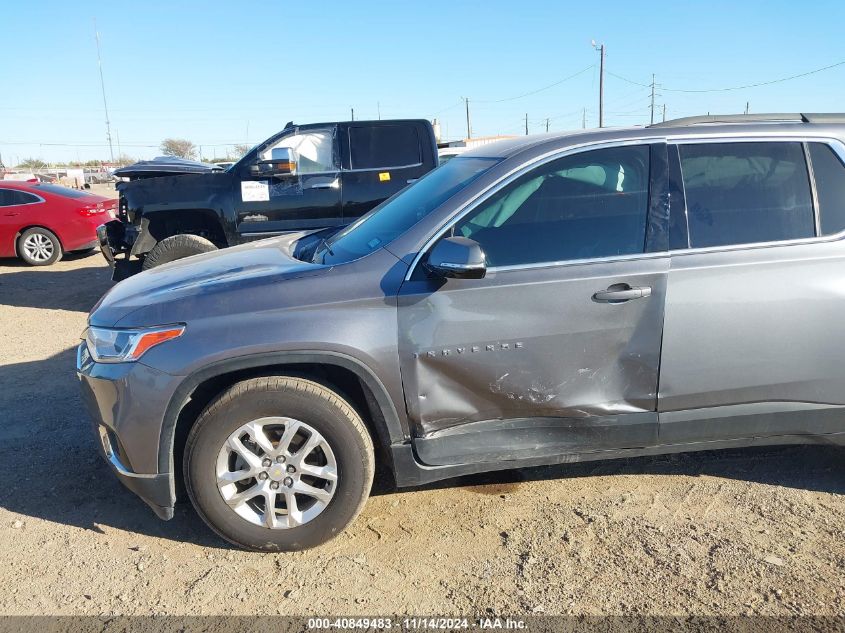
x,y
160,195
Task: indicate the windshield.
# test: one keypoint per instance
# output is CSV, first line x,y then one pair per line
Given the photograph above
x,y
396,215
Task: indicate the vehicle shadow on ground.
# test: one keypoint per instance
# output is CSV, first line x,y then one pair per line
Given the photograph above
x,y
52,288
816,467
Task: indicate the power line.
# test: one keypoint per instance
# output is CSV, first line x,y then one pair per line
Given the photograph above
x,y
728,89
533,92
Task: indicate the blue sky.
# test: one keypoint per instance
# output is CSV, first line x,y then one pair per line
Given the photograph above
x,y
220,73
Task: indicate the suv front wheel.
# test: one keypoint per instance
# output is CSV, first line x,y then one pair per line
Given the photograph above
x,y
278,464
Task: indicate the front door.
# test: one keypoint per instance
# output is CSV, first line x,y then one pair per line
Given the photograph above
x,y
310,199
15,206
557,349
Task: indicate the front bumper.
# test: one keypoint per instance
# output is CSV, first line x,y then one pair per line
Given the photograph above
x,y
126,402
113,238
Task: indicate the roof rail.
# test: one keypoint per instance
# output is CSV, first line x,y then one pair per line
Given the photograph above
x,y
797,117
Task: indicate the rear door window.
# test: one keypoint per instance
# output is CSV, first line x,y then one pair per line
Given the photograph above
x,y
745,193
829,172
383,146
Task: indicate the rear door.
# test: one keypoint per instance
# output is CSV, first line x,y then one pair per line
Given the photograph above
x,y
310,199
382,158
556,350
754,341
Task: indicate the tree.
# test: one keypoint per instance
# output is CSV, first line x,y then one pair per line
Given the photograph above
x,y
33,163
241,149
183,148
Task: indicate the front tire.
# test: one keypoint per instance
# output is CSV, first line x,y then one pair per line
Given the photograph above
x,y
278,464
177,247
39,247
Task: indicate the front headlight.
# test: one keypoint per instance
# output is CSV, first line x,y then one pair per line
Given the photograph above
x,y
107,345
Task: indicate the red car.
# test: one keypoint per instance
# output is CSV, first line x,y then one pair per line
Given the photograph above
x,y
39,222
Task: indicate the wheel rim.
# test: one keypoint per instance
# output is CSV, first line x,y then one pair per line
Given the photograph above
x,y
38,247
277,472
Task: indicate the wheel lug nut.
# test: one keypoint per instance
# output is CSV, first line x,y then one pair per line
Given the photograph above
x,y
275,485
266,462
262,476
281,459
291,469
288,482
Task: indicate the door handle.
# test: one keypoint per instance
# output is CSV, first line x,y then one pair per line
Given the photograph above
x,y
411,181
334,184
620,293
11,213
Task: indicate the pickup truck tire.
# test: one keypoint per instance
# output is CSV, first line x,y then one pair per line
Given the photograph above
x,y
326,464
176,247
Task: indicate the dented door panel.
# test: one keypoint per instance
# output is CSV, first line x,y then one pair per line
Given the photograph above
x,y
531,343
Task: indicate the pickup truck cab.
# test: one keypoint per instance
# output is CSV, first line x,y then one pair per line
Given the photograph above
x,y
306,177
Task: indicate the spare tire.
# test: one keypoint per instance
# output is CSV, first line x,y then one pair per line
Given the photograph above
x,y
176,247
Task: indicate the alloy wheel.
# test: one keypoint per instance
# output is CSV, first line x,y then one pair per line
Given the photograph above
x,y
277,472
38,247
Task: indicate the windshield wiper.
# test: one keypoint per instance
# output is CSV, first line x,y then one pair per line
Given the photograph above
x,y
323,244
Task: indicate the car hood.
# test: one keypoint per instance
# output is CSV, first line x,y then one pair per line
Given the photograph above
x,y
223,282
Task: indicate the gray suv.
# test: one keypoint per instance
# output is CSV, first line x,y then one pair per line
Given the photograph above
x,y
551,299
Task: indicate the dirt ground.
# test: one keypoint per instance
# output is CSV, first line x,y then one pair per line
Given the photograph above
x,y
739,532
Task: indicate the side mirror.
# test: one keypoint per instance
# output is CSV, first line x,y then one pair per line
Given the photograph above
x,y
283,162
457,258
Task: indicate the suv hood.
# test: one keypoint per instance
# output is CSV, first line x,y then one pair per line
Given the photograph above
x,y
221,282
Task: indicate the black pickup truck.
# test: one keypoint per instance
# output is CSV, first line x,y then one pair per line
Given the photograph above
x,y
315,176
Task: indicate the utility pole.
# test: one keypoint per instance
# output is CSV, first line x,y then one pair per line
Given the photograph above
x,y
526,124
584,119
547,125
747,104
469,127
664,113
119,151
378,107
600,48
103,87
652,99
352,111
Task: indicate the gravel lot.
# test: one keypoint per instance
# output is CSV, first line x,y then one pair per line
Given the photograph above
x,y
735,532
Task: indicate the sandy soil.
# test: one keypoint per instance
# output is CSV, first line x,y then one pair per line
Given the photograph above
x,y
739,532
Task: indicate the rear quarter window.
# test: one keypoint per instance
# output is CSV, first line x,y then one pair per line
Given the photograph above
x,y
829,172
384,146
10,197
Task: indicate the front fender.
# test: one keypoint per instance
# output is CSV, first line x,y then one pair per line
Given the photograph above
x,y
393,430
